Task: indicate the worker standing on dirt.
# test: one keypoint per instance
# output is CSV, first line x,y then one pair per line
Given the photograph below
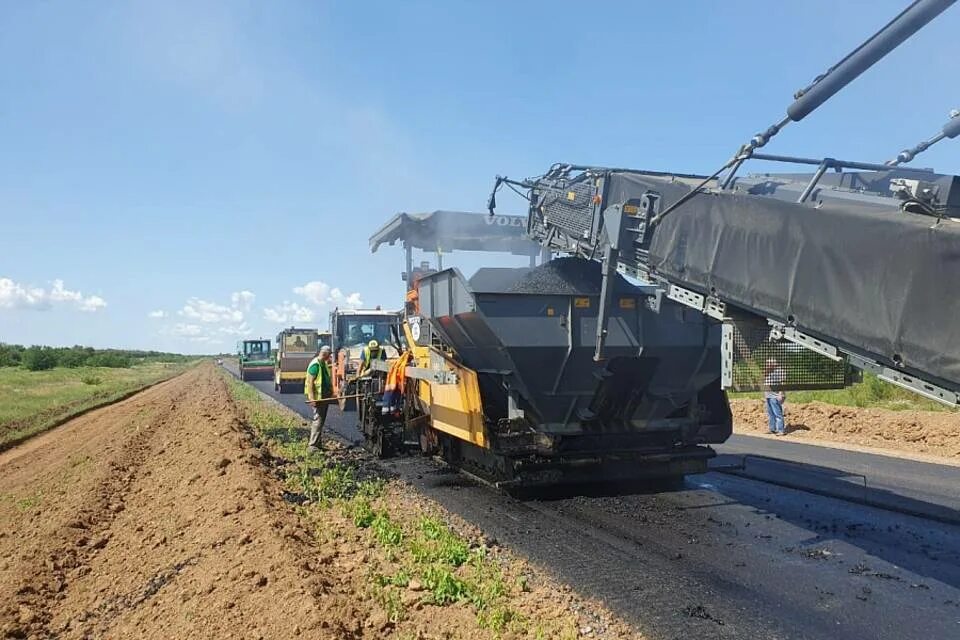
x,y
370,353
319,387
773,396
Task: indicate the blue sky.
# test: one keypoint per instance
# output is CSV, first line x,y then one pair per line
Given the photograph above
x,y
176,175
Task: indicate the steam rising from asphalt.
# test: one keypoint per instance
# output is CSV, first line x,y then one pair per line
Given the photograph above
x,y
462,231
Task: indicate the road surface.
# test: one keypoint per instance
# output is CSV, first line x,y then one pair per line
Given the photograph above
x,y
920,488
726,556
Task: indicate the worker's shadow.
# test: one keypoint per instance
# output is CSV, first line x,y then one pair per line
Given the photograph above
x,y
793,428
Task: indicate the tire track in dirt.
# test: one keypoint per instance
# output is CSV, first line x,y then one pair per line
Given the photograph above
x,y
152,518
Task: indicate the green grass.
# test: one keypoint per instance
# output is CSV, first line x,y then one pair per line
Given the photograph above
x,y
33,401
872,392
30,502
424,548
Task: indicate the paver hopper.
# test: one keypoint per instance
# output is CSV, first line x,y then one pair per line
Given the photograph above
x,y
551,412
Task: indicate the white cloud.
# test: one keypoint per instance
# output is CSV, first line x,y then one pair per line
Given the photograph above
x,y
353,301
91,304
239,330
316,292
17,296
320,293
207,322
288,312
242,300
59,293
210,312
186,330
14,295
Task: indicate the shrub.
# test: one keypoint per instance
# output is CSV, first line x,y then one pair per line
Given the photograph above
x,y
10,355
91,379
74,356
111,360
39,358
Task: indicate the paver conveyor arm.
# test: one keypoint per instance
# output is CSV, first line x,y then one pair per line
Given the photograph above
x,y
857,260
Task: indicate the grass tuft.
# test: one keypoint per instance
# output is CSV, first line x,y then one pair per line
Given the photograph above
x,y
30,502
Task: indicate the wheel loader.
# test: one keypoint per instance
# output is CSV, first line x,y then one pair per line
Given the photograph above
x,y
350,331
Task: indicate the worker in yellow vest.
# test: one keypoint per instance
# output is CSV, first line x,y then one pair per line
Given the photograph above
x,y
371,352
318,387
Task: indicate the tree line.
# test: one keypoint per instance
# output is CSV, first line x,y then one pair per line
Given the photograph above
x,y
40,358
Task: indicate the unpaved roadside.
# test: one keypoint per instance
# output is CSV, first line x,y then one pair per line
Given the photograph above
x,y
157,518
930,433
148,519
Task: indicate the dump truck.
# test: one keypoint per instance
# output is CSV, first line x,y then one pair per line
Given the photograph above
x,y
295,348
351,330
612,361
255,359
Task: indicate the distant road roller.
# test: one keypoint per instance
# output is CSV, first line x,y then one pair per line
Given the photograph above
x,y
255,359
295,348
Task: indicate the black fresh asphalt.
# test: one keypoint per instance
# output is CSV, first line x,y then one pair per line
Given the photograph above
x,y
919,488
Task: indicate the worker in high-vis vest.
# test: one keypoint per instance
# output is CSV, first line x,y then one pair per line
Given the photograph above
x,y
318,386
370,353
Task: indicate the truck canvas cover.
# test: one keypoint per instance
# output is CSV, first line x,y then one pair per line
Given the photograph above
x,y
880,281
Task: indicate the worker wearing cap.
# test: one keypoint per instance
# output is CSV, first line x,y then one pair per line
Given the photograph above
x,y
370,353
318,386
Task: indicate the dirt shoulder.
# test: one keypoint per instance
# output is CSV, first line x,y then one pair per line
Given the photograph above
x,y
149,518
927,433
163,516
